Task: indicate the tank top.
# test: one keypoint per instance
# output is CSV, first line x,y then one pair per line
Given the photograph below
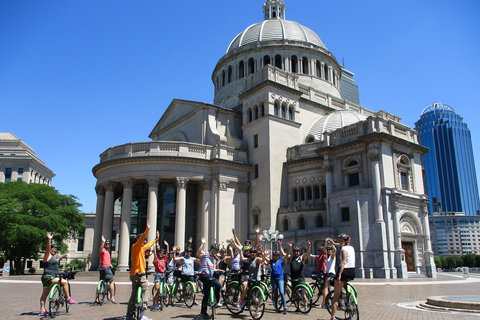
x,y
188,268
245,267
331,264
350,261
236,264
296,268
51,267
253,269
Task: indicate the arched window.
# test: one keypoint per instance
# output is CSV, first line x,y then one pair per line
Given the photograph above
x,y
302,194
316,192
256,112
262,110
319,221
318,69
285,225
294,64
266,60
275,109
404,170
325,72
251,66
250,115
353,173
223,78
310,139
278,61
304,65
301,223
295,195
229,74
284,112
290,113
241,69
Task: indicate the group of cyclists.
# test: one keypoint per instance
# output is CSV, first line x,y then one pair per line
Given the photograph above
x,y
247,261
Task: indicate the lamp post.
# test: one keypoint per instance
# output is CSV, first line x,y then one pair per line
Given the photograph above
x,y
270,237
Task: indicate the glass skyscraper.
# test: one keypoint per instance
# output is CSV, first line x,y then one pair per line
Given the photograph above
x,y
451,180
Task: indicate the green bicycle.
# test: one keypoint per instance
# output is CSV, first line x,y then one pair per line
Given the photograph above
x,y
347,303
103,292
255,300
182,291
56,297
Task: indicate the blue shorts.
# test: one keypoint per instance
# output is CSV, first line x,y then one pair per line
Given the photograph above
x,y
159,277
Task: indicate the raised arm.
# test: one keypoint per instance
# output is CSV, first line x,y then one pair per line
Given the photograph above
x,y
47,255
102,244
235,238
306,254
200,248
166,246
280,248
288,256
257,232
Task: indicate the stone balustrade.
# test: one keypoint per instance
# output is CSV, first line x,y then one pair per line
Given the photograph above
x,y
173,149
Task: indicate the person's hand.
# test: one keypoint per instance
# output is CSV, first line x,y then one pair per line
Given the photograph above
x,y
190,240
233,230
290,243
257,230
165,242
103,238
204,240
64,256
158,235
309,243
49,236
148,223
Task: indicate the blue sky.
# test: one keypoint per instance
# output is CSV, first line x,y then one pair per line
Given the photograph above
x,y
78,77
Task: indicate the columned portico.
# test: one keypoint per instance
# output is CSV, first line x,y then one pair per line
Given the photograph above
x,y
125,223
97,235
152,209
180,217
108,211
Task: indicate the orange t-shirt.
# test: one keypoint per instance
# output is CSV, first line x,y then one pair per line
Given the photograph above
x,y
137,256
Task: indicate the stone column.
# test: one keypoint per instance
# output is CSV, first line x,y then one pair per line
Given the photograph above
x,y
205,211
430,268
180,214
152,211
97,229
241,222
400,263
108,211
125,223
328,178
377,186
219,219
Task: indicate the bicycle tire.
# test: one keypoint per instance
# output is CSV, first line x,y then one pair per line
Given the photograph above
x,y
316,291
139,303
67,306
178,292
213,303
328,301
189,294
303,299
342,306
54,301
264,287
232,297
351,309
288,292
256,303
99,293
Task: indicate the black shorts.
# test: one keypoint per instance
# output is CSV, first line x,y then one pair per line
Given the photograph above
x,y
106,274
348,274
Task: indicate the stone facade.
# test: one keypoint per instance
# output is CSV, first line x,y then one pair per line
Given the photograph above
x,y
278,148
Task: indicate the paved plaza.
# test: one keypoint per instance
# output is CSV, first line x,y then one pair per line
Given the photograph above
x,y
378,299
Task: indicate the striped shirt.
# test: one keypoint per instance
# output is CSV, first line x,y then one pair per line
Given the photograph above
x,y
206,264
236,264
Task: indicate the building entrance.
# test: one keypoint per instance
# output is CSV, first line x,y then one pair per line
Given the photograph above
x,y
409,255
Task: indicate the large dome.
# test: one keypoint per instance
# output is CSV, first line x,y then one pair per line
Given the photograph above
x,y
276,30
332,122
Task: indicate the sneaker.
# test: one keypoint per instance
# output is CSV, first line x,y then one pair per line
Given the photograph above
x,y
241,303
257,314
285,311
196,303
71,301
43,313
144,317
219,305
204,316
322,306
155,307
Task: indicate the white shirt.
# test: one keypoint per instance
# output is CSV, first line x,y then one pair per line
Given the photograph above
x,y
350,261
331,264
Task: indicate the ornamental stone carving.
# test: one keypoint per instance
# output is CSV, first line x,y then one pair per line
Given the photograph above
x,y
127,183
327,168
374,157
153,181
182,182
223,184
110,186
100,189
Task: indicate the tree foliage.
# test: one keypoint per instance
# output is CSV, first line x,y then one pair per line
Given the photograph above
x,y
28,212
469,260
438,262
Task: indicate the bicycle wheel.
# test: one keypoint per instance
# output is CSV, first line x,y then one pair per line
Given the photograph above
x,y
99,297
264,287
189,294
317,291
178,292
54,301
328,301
288,293
256,303
351,309
138,304
232,298
302,298
212,302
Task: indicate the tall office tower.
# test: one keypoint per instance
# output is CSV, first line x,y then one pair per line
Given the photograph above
x,y
348,87
451,180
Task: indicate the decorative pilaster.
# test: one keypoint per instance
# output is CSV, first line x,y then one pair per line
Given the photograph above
x,y
206,209
152,210
377,186
107,226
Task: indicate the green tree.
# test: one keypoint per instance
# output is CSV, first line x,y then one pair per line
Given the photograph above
x,y
444,262
451,262
27,213
459,261
477,261
469,260
438,262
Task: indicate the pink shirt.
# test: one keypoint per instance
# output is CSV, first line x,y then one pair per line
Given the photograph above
x,y
322,263
104,258
160,264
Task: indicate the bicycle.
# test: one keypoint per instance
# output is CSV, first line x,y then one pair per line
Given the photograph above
x,y
212,303
302,297
347,303
104,292
255,300
317,286
187,293
161,295
139,306
287,291
56,297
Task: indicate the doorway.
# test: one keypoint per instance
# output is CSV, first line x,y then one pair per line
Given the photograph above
x,y
409,255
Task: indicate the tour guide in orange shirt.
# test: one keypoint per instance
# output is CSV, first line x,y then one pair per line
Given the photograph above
x,y
137,272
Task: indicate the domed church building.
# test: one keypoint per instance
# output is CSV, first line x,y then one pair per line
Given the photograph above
x,y
279,148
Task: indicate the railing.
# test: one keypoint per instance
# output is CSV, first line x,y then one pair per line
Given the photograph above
x,y
174,149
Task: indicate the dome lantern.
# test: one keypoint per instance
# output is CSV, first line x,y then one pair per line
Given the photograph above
x,y
274,9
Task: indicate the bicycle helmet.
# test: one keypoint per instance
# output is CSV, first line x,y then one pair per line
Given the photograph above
x,y
161,250
189,250
223,250
276,252
215,247
107,241
253,250
246,248
329,247
344,236
54,245
296,248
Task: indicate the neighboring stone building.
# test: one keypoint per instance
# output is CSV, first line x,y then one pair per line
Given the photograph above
x,y
454,233
278,147
19,162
